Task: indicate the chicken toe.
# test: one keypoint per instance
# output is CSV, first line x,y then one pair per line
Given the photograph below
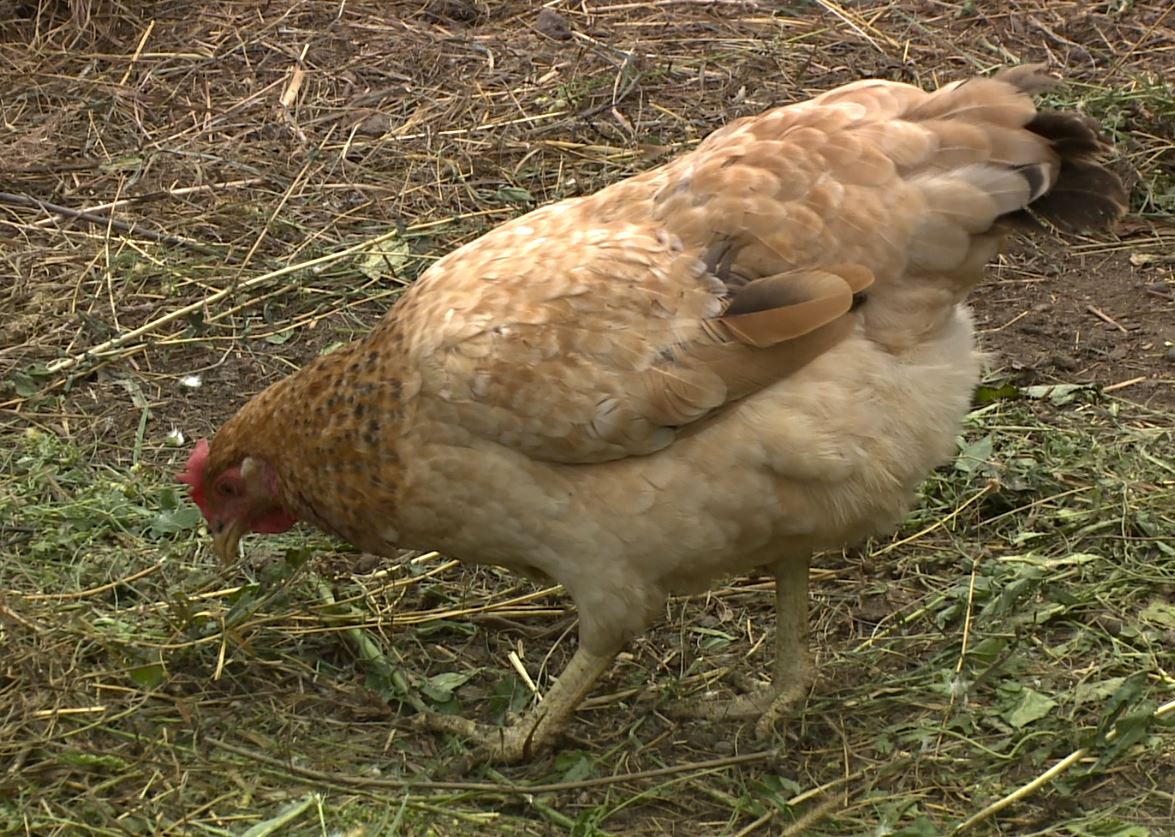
x,y
540,727
792,674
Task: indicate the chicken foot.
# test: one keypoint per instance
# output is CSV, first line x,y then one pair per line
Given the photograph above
x,y
539,727
793,673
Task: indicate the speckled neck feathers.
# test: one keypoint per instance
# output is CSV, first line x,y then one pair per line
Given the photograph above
x,y
329,431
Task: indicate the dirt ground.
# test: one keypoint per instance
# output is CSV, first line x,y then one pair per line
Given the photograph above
x,y
187,200
1087,311
1097,318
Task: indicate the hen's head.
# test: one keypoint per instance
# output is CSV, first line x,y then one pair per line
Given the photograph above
x,y
235,499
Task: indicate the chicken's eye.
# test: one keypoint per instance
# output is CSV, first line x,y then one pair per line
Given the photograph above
x,y
226,489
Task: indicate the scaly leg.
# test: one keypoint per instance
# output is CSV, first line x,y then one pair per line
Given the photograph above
x,y
793,669
538,728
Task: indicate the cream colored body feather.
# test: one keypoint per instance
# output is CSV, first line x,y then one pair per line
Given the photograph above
x,y
825,457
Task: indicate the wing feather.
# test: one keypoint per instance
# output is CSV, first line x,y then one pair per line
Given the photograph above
x,y
602,327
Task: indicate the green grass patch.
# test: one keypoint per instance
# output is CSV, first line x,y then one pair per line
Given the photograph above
x,y
1027,616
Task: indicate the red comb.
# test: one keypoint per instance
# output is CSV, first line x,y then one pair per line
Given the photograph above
x,y
193,474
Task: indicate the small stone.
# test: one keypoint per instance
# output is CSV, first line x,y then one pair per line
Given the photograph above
x,y
1171,355
461,11
375,125
367,564
553,26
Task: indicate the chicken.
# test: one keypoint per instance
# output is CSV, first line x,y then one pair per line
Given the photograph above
x,y
753,352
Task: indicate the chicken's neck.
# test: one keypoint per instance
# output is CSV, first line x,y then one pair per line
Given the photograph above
x,y
329,432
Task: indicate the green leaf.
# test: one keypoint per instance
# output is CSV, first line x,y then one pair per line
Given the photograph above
x,y
975,456
168,498
76,759
713,639
242,599
921,827
988,650
173,520
296,557
1159,613
510,695
1097,690
1125,695
440,687
387,259
443,626
987,394
284,818
514,194
1032,706
1122,831
1130,730
24,385
575,765
148,676
381,679
1013,597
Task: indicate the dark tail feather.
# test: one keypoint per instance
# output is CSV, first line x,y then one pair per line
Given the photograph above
x,y
1086,195
1072,134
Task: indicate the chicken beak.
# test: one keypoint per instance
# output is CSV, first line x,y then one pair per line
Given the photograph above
x,y
226,542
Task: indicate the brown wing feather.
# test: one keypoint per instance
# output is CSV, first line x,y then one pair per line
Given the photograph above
x,y
774,309
600,327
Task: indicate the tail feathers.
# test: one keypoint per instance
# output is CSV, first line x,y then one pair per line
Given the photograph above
x,y
1085,196
1071,134
1028,78
1080,193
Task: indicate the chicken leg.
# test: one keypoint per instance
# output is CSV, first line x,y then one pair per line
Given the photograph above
x,y
538,728
793,668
